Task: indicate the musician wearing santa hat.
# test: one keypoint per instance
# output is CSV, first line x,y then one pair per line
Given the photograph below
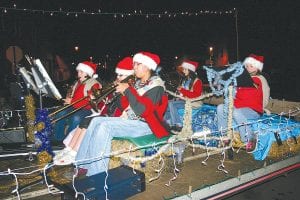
x,y
249,102
190,87
86,80
143,116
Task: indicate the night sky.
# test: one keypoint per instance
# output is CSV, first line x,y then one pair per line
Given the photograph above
x,y
267,28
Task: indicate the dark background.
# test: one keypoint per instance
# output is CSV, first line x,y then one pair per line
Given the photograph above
x,y
267,28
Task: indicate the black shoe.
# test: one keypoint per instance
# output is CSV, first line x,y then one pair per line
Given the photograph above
x,y
168,126
176,128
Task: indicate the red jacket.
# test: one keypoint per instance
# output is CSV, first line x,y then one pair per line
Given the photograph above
x,y
251,97
195,91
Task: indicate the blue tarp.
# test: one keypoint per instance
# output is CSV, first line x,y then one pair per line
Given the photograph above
x,y
265,127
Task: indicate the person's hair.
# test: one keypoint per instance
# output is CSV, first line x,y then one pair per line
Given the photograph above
x,y
192,75
257,73
152,73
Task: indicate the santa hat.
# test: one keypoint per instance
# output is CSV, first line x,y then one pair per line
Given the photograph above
x,y
125,66
88,67
149,59
191,65
255,60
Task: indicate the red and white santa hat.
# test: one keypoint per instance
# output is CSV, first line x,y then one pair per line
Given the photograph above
x,y
191,65
255,60
151,60
125,66
88,67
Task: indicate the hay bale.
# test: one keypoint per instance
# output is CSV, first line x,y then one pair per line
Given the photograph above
x,y
148,168
117,145
288,147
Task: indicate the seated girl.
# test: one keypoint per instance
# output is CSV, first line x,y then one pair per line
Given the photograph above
x,y
86,72
249,102
190,87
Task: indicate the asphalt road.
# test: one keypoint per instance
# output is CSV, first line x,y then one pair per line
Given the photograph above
x,y
285,187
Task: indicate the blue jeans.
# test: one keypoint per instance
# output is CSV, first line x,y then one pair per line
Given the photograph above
x,y
172,116
72,121
240,116
98,137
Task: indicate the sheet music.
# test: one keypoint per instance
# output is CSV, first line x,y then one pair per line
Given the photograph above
x,y
53,91
28,80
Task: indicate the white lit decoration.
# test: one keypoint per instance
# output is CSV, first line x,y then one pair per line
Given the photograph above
x,y
98,12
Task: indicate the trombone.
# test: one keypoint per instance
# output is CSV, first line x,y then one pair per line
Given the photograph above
x,y
98,94
65,107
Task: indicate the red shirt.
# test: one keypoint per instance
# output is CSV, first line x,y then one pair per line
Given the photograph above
x,y
251,97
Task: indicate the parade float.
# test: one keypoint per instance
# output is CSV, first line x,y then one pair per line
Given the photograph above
x,y
142,162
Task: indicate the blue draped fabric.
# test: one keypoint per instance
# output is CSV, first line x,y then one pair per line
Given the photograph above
x,y
265,127
204,118
286,128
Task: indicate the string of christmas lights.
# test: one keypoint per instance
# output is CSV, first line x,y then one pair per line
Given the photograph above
x,y
85,12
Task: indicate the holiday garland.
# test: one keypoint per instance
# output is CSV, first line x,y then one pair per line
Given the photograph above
x,y
39,129
43,131
221,87
30,115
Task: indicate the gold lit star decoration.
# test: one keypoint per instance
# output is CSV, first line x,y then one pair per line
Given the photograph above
x,y
39,126
44,157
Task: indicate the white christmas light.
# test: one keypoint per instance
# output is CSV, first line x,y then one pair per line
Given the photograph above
x,y
114,14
